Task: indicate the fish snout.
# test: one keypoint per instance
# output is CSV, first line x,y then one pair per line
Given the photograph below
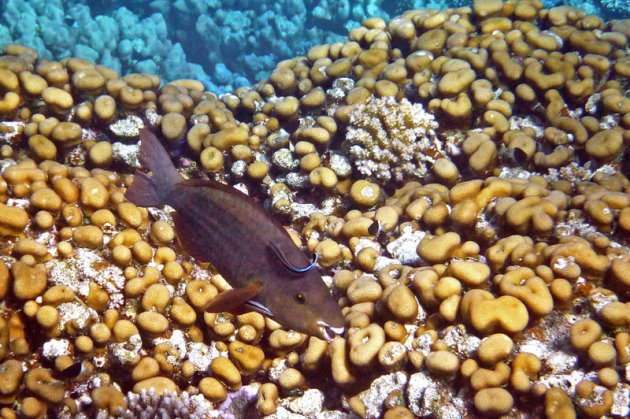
x,y
329,333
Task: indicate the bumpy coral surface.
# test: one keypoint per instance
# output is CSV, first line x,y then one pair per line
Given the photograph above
x,y
496,284
391,141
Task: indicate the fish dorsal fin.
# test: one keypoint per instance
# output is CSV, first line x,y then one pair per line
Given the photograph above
x,y
234,298
185,235
282,258
255,206
209,183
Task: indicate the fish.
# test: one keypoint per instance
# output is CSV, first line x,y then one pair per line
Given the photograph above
x,y
75,371
219,224
72,371
329,25
375,229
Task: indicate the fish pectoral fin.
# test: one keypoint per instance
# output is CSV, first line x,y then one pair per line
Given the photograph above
x,y
233,299
259,308
186,237
283,259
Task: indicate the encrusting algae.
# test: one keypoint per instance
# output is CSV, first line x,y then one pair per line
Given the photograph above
x,y
485,275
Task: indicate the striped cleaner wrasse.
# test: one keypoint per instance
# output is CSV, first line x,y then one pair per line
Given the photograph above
x,y
218,224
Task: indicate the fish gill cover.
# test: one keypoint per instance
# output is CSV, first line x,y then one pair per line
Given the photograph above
x,y
486,274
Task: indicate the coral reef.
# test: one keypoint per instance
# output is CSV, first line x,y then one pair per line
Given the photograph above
x,y
242,39
122,41
387,140
495,284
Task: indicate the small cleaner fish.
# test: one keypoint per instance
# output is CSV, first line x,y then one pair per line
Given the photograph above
x,y
218,224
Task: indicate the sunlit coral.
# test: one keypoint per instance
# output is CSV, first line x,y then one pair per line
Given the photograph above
x,y
390,141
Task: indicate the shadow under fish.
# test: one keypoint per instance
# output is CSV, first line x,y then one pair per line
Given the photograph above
x,y
218,224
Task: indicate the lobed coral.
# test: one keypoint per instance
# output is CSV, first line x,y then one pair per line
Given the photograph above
x,y
494,285
131,38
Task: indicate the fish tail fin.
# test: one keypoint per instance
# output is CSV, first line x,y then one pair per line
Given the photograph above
x,y
154,157
144,191
151,191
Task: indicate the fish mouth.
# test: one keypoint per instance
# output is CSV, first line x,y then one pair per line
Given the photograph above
x,y
328,332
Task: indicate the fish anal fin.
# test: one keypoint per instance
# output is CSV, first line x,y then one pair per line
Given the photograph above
x,y
234,299
186,237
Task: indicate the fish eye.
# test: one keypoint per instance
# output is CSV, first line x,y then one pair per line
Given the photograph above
x,y
300,298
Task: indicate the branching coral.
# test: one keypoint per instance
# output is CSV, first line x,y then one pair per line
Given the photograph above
x,y
148,404
389,140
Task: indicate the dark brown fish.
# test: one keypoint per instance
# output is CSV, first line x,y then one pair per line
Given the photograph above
x,y
218,224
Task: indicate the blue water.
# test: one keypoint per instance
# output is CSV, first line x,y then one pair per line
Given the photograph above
x,y
224,43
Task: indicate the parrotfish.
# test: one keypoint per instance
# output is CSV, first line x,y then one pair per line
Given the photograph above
x,y
219,224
